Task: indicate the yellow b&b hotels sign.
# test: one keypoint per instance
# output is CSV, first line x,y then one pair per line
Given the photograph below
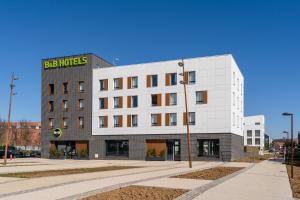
x,y
65,62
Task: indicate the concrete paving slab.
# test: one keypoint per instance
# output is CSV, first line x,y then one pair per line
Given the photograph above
x,y
267,180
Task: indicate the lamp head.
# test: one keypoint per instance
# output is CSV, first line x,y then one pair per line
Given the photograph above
x,y
287,114
180,64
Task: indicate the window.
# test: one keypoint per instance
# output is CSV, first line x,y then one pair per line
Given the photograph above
x,y
191,118
65,105
103,122
81,86
155,119
117,148
118,119
257,133
173,77
152,80
65,88
201,97
192,77
257,141
233,119
238,84
238,121
64,122
249,141
238,103
209,148
171,119
118,102
103,84
102,103
233,78
81,122
134,101
156,99
118,83
51,106
249,133
132,120
51,89
81,104
233,98
257,123
51,123
173,99
134,82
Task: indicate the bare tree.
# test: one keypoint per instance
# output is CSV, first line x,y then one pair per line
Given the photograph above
x,y
3,128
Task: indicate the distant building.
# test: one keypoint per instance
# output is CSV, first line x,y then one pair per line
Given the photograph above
x,y
268,142
25,135
254,132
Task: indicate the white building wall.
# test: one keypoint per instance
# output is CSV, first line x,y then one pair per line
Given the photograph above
x,y
255,123
213,74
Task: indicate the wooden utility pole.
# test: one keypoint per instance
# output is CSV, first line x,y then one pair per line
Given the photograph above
x,y
8,131
181,64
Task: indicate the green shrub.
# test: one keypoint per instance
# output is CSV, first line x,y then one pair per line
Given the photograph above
x,y
162,153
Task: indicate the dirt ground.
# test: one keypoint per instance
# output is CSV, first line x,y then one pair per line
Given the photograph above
x,y
138,193
210,174
64,172
295,183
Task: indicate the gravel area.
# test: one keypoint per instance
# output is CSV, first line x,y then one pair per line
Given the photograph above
x,y
210,174
138,193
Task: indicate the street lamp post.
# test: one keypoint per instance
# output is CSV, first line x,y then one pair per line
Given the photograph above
x,y
292,141
8,132
181,64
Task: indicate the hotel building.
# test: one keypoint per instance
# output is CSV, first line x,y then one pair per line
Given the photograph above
x,y
138,111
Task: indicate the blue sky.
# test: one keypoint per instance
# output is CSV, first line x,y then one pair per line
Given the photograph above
x,y
263,36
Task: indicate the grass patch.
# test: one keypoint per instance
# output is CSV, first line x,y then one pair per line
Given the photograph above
x,y
295,183
210,174
36,174
255,159
138,192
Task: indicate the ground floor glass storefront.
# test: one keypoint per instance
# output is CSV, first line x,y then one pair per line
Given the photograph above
x,y
209,148
117,148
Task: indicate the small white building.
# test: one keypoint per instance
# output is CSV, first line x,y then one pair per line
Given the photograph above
x,y
254,132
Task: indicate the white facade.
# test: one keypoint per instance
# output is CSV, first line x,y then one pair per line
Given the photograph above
x,y
218,75
254,134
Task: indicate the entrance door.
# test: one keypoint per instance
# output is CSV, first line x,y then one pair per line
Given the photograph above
x,y
173,150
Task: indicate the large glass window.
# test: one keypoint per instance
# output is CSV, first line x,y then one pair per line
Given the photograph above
x,y
257,133
199,97
134,120
173,99
192,77
65,88
209,148
102,87
154,80
117,102
154,100
134,101
257,141
173,119
192,118
249,133
117,148
101,103
173,79
65,104
154,119
81,86
134,82
249,141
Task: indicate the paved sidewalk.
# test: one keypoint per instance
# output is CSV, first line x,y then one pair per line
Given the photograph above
x,y
77,186
267,180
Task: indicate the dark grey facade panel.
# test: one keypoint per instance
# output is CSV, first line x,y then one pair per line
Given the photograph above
x,y
72,75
